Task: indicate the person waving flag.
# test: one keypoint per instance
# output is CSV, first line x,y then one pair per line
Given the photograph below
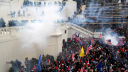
x,y
89,48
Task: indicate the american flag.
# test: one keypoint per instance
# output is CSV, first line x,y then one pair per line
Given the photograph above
x,y
73,36
121,27
82,69
92,40
109,41
104,69
73,56
89,48
78,39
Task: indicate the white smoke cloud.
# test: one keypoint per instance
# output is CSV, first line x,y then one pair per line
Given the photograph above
x,y
39,32
114,40
112,36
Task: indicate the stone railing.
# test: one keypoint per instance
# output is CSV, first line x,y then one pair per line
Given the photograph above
x,y
12,31
83,29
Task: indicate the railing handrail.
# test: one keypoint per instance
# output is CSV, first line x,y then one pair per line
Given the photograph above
x,y
107,23
109,3
83,29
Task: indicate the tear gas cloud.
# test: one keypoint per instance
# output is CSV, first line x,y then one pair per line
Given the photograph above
x,y
40,31
112,37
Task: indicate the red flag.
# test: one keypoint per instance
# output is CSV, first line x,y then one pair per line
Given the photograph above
x,y
100,36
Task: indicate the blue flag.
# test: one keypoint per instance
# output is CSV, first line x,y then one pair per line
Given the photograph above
x,y
38,66
99,66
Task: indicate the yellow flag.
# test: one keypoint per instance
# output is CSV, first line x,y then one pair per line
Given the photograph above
x,y
82,52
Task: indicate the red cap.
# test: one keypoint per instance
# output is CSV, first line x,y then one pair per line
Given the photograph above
x,y
62,69
51,62
68,68
92,59
86,61
79,69
66,55
56,67
48,60
34,66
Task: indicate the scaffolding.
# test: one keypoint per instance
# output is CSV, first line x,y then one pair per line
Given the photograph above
x,y
113,14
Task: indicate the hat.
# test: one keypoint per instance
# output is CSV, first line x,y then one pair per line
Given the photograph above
x,y
66,55
48,60
56,67
86,61
96,59
51,62
79,69
68,68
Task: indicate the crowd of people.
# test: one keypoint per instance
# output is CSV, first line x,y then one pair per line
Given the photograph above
x,y
2,23
39,4
112,58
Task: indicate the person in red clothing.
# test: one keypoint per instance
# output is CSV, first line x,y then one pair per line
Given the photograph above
x,y
33,69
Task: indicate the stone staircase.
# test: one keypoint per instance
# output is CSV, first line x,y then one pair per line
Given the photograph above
x,y
73,28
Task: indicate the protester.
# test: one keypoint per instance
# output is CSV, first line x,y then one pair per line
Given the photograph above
x,y
27,64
